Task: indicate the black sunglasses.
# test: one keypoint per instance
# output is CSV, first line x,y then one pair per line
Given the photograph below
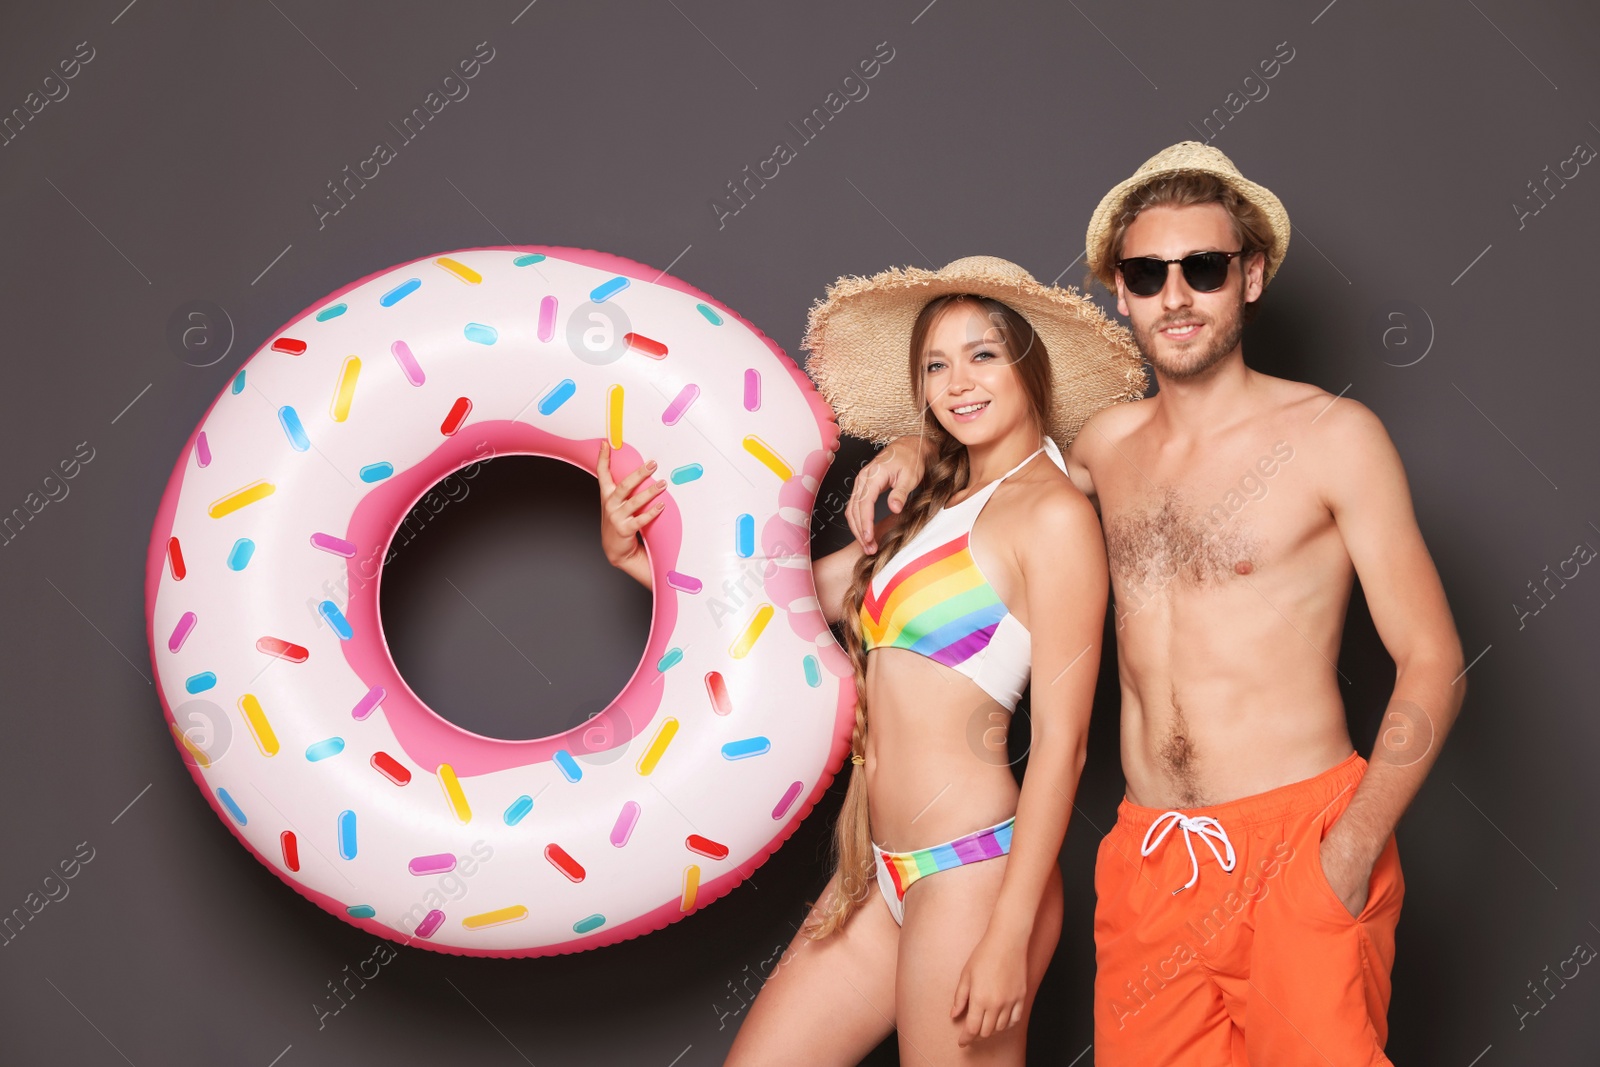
x,y
1206,272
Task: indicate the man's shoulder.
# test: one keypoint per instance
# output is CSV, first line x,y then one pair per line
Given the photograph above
x,y
1322,414
1342,441
1289,395
1113,421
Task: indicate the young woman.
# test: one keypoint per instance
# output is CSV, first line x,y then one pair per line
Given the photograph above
x,y
991,577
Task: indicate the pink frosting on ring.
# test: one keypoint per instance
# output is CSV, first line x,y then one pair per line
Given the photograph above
x,y
426,737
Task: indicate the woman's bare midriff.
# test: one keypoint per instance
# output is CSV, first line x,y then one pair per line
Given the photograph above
x,y
936,759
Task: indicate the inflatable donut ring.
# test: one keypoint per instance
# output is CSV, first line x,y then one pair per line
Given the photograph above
x,y
293,719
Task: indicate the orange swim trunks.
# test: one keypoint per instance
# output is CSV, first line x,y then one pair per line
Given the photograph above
x,y
1218,940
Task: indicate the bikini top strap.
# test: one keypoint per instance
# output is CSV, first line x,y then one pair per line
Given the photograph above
x,y
1054,451
987,491
1048,446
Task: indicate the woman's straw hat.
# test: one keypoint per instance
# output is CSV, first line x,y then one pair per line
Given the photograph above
x,y
1183,156
859,337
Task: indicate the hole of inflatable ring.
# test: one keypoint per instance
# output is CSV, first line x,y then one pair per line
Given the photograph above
x,y
499,607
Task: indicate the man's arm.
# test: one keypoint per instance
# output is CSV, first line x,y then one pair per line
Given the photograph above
x,y
1081,453
898,468
1365,487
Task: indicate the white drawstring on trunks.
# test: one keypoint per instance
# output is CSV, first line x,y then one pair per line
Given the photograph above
x,y
1210,831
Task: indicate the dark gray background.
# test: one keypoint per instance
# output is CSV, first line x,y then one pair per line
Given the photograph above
x,y
182,166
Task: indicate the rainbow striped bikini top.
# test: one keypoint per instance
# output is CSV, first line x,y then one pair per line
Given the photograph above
x,y
932,599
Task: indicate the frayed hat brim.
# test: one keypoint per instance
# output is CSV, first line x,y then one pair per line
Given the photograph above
x,y
858,336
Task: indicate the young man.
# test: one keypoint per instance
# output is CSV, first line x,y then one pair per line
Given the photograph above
x,y
1237,508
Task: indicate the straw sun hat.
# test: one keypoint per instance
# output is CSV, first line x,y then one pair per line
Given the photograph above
x,y
859,337
1181,157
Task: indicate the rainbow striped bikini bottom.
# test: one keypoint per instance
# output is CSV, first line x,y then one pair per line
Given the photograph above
x,y
897,870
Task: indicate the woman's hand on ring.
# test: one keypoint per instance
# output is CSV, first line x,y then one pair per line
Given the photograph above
x,y
624,512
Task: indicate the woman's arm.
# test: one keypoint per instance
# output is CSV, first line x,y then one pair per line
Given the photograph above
x,y
1063,562
625,511
622,515
1064,567
898,468
832,572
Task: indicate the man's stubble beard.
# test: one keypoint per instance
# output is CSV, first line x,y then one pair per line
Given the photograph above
x,y
1231,330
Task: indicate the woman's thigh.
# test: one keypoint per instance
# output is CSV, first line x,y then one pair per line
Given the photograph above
x,y
946,914
827,1002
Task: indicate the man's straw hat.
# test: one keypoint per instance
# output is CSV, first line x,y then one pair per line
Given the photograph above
x,y
1183,156
859,337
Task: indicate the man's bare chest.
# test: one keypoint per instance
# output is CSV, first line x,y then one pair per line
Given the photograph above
x,y
1206,524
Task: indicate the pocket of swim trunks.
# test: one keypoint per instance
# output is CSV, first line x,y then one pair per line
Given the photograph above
x,y
1320,877
1325,888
